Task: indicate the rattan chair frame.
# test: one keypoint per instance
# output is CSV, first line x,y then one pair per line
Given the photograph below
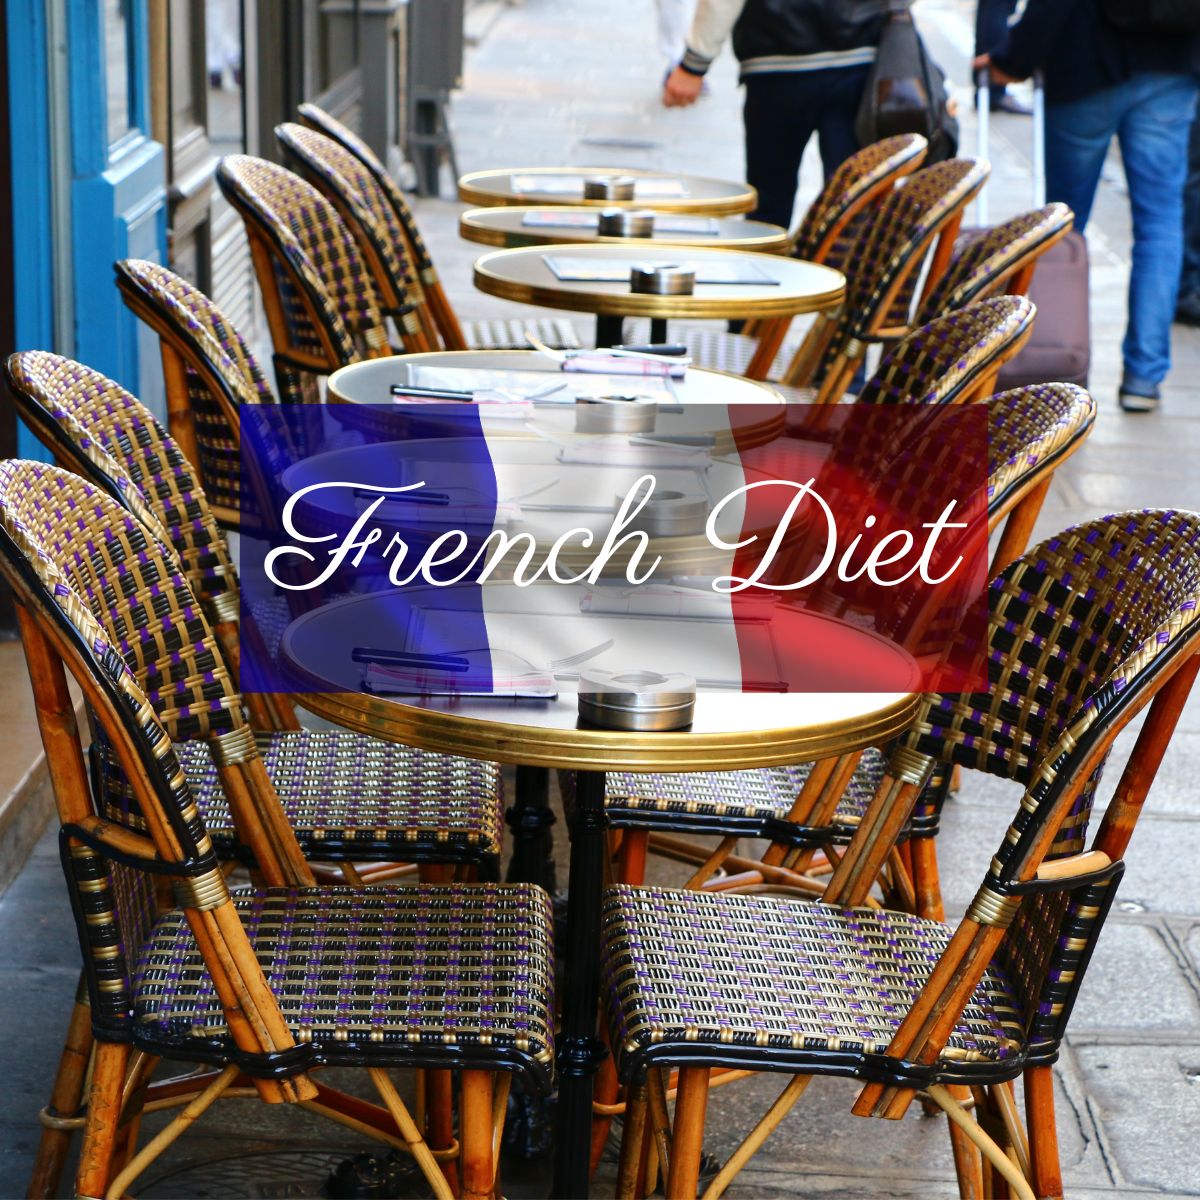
x,y
325,342
906,231
1041,857
853,190
426,285
62,633
196,362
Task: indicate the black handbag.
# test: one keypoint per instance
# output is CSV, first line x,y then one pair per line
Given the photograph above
x,y
905,90
1153,16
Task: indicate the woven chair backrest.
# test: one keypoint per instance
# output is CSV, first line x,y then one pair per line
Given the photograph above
x,y
891,247
987,261
939,363
358,195
319,272
1027,430
136,590
75,556
1070,623
317,118
850,188
96,427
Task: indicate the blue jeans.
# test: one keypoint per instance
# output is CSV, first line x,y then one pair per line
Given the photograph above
x,y
1189,284
1150,115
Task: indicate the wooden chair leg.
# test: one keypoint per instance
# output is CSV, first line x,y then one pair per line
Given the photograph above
x,y
103,1115
475,1134
1044,1168
631,858
926,882
687,1133
607,1092
633,1143
66,1100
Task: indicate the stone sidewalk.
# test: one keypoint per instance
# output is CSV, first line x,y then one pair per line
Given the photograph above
x,y
576,81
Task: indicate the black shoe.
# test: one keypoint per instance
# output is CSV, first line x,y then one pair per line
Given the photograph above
x,y
1010,104
1138,395
1187,311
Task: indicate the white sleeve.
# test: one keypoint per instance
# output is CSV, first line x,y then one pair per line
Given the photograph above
x,y
711,26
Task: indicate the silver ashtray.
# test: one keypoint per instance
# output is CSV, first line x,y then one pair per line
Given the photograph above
x,y
650,279
616,414
626,222
668,514
640,701
608,187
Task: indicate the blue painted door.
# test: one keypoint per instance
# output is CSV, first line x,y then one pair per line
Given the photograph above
x,y
118,198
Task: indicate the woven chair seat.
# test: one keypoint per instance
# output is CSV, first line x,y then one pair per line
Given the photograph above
x,y
362,796
509,334
358,972
752,975
733,800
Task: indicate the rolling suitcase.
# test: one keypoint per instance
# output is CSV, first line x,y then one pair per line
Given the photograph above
x,y
1059,350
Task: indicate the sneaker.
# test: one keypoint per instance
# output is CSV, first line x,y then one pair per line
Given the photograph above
x,y
1138,395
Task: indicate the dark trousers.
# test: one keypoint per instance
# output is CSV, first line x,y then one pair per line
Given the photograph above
x,y
991,30
782,112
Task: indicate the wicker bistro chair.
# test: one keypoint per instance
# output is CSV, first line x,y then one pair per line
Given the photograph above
x,y
268,983
209,370
825,232
1001,258
1086,631
884,257
321,302
348,797
342,166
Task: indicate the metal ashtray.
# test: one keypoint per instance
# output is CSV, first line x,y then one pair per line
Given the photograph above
x,y
668,514
653,280
637,700
608,187
615,414
626,222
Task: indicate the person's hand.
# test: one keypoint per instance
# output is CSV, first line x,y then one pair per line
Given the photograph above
x,y
681,88
984,61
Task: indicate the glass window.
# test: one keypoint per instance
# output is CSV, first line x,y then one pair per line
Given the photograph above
x,y
223,54
337,41
116,67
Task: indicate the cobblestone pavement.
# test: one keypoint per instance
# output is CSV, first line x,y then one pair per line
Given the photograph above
x,y
576,81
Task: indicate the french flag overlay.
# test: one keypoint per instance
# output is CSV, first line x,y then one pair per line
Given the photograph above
x,y
506,550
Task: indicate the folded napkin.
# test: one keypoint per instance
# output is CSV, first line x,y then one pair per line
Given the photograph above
x,y
619,364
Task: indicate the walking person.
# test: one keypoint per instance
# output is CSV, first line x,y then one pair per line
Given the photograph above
x,y
1187,308
804,64
991,25
1137,85
674,21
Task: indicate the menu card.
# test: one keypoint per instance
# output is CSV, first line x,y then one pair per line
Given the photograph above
x,y
731,270
663,222
572,185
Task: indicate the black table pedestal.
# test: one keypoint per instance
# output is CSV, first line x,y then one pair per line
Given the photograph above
x,y
610,330
580,1051
530,821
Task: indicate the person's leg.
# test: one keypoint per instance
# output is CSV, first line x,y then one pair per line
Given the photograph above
x,y
1078,135
1154,146
779,115
1189,281
842,91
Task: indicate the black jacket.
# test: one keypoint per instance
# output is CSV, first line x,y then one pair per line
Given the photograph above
x,y
794,28
1079,52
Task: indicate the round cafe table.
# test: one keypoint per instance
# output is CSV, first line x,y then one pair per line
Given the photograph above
x,y
788,287
370,382
513,228
730,731
661,190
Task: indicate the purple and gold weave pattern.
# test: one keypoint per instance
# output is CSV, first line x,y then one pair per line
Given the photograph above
x,y
439,966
